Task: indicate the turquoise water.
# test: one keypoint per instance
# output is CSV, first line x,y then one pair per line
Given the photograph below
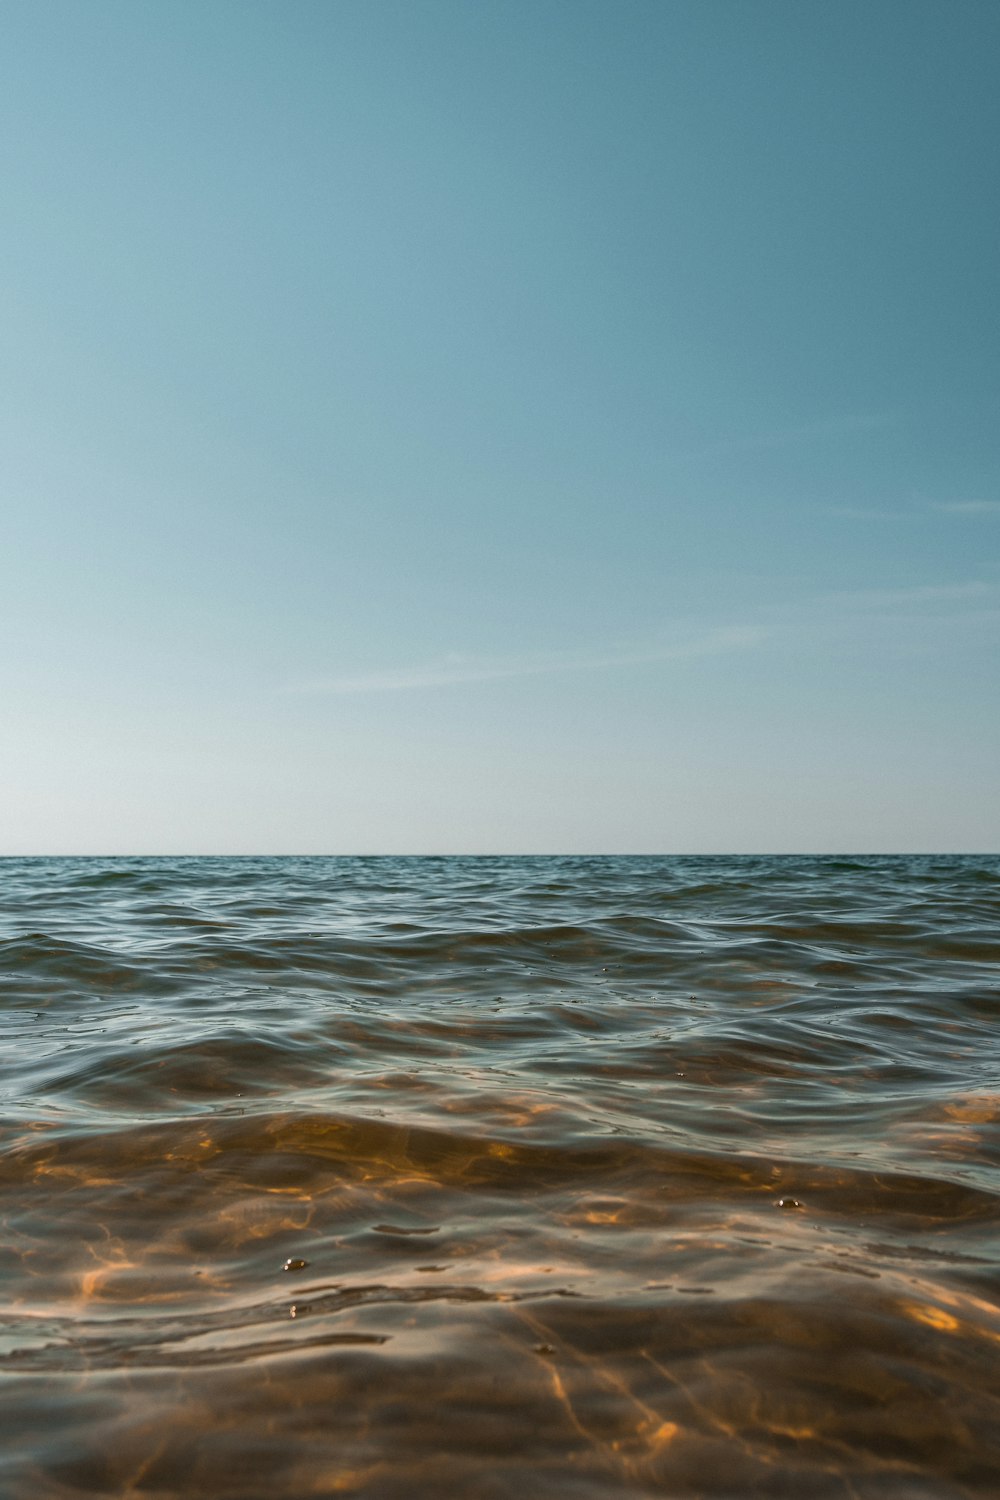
x,y
581,1177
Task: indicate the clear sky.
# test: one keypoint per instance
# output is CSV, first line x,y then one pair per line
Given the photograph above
x,y
499,425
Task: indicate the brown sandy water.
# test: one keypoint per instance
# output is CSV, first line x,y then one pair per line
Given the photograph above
x,y
570,1177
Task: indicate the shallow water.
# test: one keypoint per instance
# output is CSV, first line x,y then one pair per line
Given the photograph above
x,y
573,1177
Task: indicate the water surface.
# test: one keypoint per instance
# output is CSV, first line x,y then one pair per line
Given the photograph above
x,y
572,1177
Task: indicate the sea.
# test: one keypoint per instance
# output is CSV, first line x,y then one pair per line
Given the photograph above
x,y
573,1177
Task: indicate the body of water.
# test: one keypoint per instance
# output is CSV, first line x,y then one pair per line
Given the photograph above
x,y
548,1177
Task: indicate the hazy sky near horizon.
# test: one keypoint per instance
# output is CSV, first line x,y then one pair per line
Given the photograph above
x,y
499,425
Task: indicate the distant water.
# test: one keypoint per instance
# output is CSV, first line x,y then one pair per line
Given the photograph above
x,y
521,1178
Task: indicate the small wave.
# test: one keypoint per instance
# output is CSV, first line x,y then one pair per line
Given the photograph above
x,y
595,1176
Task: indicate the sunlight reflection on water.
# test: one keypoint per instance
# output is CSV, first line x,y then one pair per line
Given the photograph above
x,y
569,1177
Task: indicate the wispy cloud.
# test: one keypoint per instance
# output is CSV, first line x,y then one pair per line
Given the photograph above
x,y
884,622
917,512
868,513
455,670
803,620
969,507
850,424
921,596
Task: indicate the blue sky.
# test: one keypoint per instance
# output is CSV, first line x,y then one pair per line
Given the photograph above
x,y
504,426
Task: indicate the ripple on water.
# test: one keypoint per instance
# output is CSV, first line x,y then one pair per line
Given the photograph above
x,y
569,1177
